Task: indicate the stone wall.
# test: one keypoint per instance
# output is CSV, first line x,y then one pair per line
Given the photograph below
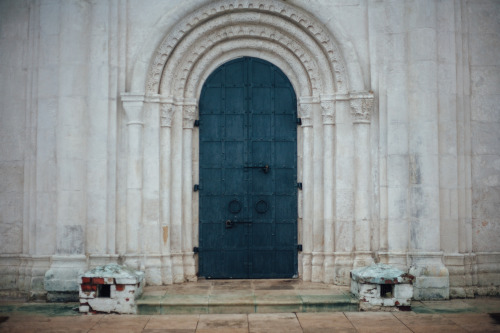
x,y
416,186
15,143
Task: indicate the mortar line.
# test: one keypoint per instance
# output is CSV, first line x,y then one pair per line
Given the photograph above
x,y
300,324
402,322
350,322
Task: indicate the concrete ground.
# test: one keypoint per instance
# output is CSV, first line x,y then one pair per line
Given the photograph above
x,y
464,315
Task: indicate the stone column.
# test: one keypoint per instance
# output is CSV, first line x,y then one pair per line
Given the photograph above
x,y
305,113
132,104
167,110
361,108
328,113
176,208
71,150
432,280
188,118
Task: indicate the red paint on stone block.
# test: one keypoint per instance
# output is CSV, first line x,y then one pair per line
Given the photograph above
x,y
98,280
85,280
120,287
94,287
87,287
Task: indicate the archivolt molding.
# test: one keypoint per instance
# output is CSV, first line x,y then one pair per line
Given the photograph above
x,y
259,42
280,57
278,12
265,29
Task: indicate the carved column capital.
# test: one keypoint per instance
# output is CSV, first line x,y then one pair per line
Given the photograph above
x,y
132,104
167,113
328,110
306,110
362,107
188,115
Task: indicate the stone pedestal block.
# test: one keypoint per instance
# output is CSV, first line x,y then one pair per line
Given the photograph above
x,y
110,288
381,287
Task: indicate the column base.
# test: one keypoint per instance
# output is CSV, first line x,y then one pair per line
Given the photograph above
x,y
432,281
329,268
189,267
306,266
61,280
177,268
317,267
343,267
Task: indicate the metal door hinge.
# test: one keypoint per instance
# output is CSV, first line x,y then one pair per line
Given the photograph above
x,y
196,123
196,249
299,247
299,121
196,187
299,185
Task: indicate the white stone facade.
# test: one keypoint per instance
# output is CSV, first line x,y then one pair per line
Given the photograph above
x,y
398,151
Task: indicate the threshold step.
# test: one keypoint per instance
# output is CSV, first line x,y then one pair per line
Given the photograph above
x,y
245,296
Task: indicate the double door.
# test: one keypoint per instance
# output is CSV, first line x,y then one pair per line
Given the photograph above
x,y
248,172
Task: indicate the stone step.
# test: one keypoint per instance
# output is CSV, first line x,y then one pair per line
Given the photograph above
x,y
245,296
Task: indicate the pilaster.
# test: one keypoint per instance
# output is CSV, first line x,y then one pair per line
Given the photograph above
x,y
361,109
189,115
133,104
167,112
327,103
305,113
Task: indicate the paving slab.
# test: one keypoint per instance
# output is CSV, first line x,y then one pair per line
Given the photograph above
x,y
376,322
223,323
325,322
276,323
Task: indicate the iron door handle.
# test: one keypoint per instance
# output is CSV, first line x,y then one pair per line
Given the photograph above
x,y
264,168
229,224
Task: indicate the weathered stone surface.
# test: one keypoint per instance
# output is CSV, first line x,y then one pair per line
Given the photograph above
x,y
380,274
95,163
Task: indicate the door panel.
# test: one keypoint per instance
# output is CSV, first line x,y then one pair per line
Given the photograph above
x,y
248,173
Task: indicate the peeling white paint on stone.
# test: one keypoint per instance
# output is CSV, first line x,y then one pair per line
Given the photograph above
x,y
110,288
381,287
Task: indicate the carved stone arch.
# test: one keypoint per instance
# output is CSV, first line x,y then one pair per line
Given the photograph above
x,y
264,35
305,70
284,17
211,61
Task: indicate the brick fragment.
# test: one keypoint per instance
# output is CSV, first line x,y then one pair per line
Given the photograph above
x,y
98,280
87,287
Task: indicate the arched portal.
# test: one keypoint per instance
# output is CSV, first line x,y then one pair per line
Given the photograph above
x,y
248,172
334,110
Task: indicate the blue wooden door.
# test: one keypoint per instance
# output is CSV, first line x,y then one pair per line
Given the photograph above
x,y
248,172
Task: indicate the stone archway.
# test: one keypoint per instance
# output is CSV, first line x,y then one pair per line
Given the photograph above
x,y
333,202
